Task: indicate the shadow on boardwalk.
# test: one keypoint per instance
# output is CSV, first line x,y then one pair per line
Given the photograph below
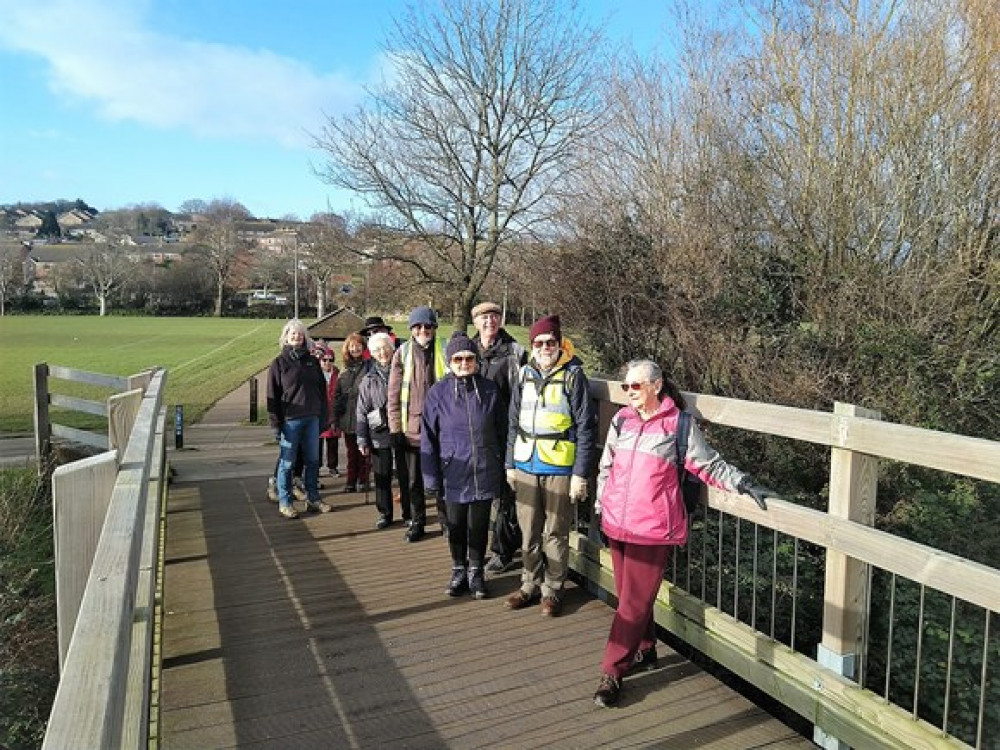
x,y
323,632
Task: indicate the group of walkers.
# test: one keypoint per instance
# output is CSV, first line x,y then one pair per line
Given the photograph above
x,y
487,429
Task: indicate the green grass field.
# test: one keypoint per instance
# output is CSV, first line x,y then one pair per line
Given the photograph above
x,y
206,358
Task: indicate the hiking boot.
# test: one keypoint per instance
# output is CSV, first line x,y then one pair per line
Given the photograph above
x,y
645,660
551,606
350,489
318,506
608,691
414,534
288,511
476,583
300,494
459,583
383,522
366,487
519,600
497,565
272,489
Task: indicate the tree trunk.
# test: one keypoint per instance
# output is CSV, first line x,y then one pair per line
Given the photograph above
x,y
103,299
218,301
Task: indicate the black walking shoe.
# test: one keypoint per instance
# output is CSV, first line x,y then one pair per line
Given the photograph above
x,y
459,583
383,522
476,583
414,534
497,565
645,660
607,691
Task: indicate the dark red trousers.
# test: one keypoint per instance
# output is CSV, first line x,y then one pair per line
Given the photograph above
x,y
638,570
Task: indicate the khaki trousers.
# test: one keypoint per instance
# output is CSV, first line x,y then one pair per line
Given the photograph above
x,y
544,513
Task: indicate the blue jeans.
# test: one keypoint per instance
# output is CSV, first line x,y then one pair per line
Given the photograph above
x,y
303,432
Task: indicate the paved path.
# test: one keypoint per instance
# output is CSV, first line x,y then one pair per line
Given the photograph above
x,y
325,633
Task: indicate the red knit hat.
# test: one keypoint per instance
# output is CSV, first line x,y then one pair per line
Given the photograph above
x,y
548,324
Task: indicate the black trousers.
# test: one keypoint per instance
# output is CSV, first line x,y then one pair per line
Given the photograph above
x,y
411,485
382,468
468,527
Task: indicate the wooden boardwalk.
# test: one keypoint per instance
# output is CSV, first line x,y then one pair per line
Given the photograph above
x,y
326,633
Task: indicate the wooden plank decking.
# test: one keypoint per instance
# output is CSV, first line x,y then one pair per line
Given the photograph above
x,y
325,633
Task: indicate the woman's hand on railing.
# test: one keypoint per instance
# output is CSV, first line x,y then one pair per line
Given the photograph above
x,y
758,492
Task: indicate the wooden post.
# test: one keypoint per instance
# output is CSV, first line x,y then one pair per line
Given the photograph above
x,y
43,427
122,410
141,380
853,487
81,492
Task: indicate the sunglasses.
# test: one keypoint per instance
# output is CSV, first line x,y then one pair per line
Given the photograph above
x,y
327,359
425,327
539,343
460,358
632,386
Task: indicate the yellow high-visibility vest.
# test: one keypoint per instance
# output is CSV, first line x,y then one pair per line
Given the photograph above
x,y
440,367
545,420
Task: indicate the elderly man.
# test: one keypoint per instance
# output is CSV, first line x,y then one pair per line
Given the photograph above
x,y
416,366
500,359
550,449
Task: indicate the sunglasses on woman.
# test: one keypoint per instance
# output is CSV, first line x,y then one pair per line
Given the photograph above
x,y
463,358
632,386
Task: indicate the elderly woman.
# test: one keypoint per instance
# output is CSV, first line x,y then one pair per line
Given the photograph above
x,y
642,511
463,435
297,410
373,424
330,438
345,411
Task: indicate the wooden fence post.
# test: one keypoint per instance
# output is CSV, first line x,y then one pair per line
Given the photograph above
x,y
81,491
853,487
43,427
122,410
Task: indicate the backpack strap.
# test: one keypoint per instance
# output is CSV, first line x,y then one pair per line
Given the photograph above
x,y
683,427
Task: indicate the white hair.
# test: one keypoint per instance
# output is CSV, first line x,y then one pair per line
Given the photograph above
x,y
378,339
648,367
291,326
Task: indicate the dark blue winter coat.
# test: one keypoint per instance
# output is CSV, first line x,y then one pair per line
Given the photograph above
x,y
462,439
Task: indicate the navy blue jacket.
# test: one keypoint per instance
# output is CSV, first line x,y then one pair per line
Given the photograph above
x,y
462,438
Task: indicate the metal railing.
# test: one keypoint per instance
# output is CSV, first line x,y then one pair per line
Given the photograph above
x,y
874,638
103,697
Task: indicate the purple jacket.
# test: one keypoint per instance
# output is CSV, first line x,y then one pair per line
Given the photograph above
x,y
462,438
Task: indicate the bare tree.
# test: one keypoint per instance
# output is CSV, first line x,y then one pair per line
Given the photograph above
x,y
467,143
11,273
324,251
220,246
104,269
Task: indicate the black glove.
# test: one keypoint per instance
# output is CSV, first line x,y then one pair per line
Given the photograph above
x,y
758,492
397,440
277,434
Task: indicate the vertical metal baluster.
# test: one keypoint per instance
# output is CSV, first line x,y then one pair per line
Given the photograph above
x,y
687,564
892,622
704,561
867,628
795,589
718,568
753,601
947,674
774,578
982,681
920,646
736,574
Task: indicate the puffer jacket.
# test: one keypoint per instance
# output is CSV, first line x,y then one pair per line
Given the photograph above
x,y
462,432
296,388
345,401
372,395
638,489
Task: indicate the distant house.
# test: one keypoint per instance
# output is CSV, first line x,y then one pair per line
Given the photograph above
x,y
29,221
72,219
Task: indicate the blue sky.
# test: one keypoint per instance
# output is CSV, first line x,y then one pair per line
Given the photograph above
x,y
121,102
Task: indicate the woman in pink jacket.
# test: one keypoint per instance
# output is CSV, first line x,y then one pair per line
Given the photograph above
x,y
642,510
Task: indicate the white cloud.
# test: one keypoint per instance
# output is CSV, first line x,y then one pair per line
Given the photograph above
x,y
100,52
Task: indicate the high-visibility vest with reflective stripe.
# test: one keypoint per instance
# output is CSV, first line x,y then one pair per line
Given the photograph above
x,y
546,440
440,367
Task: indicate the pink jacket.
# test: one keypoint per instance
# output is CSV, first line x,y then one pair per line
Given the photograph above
x,y
638,492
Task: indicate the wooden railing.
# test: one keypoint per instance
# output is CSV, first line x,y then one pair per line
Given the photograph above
x,y
107,513
118,409
822,690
